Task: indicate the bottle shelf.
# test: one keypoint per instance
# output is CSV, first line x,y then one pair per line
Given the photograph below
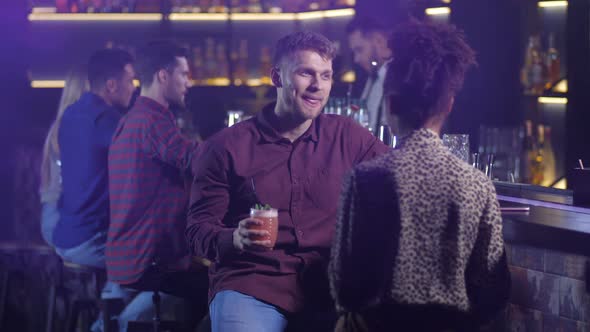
x,y
213,82
48,14
68,17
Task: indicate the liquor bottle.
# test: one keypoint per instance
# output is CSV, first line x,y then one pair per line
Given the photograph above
x,y
221,60
176,6
218,6
533,72
539,162
272,6
128,6
197,74
529,153
345,3
293,6
147,6
94,6
107,6
313,5
235,6
265,65
74,7
209,59
204,5
550,172
62,6
552,63
117,6
241,63
192,6
254,6
325,4
538,71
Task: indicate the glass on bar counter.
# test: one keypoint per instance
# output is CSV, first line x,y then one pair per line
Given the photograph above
x,y
352,107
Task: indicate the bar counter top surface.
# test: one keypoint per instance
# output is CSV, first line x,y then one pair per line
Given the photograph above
x,y
551,223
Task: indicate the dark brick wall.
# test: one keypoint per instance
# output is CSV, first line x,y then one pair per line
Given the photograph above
x,y
549,291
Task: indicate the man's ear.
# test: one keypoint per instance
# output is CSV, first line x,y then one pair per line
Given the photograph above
x,y
111,85
275,76
450,105
162,75
379,39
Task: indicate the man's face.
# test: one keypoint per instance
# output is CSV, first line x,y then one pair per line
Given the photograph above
x,y
306,80
124,88
178,83
363,49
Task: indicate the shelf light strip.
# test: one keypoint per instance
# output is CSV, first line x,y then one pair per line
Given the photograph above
x,y
552,100
58,84
263,16
49,84
552,4
37,16
49,14
198,17
438,11
326,14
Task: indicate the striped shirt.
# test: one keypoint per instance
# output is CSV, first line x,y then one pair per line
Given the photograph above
x,y
148,161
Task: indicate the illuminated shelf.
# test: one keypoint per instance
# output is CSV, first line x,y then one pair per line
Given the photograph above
x,y
552,100
198,17
46,16
49,14
45,84
347,12
552,4
435,11
57,84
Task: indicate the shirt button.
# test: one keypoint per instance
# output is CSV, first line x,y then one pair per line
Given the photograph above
x,y
300,233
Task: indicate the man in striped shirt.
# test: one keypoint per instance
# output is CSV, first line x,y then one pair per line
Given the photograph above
x,y
148,162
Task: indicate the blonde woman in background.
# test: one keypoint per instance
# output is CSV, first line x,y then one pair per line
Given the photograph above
x,y
76,84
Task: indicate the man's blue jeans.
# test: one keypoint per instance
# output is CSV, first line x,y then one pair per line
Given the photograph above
x,y
232,311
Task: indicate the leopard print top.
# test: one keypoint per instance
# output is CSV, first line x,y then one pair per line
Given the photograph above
x,y
418,226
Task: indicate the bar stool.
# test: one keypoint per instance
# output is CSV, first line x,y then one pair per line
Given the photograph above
x,y
157,324
3,291
21,259
79,304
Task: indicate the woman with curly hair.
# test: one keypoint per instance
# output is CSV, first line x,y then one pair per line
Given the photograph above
x,y
418,243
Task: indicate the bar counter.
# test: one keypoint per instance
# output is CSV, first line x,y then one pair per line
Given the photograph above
x,y
548,251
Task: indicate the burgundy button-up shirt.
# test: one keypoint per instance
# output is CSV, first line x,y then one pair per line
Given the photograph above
x,y
249,163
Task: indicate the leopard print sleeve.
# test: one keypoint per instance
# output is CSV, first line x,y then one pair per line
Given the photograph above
x,y
487,274
340,265
366,239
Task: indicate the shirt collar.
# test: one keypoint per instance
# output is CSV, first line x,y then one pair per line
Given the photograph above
x,y
270,135
149,103
422,136
383,70
94,98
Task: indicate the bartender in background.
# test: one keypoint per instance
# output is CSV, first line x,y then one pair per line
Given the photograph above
x,y
368,42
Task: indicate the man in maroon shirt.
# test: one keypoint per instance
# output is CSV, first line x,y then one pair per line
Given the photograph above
x,y
292,157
